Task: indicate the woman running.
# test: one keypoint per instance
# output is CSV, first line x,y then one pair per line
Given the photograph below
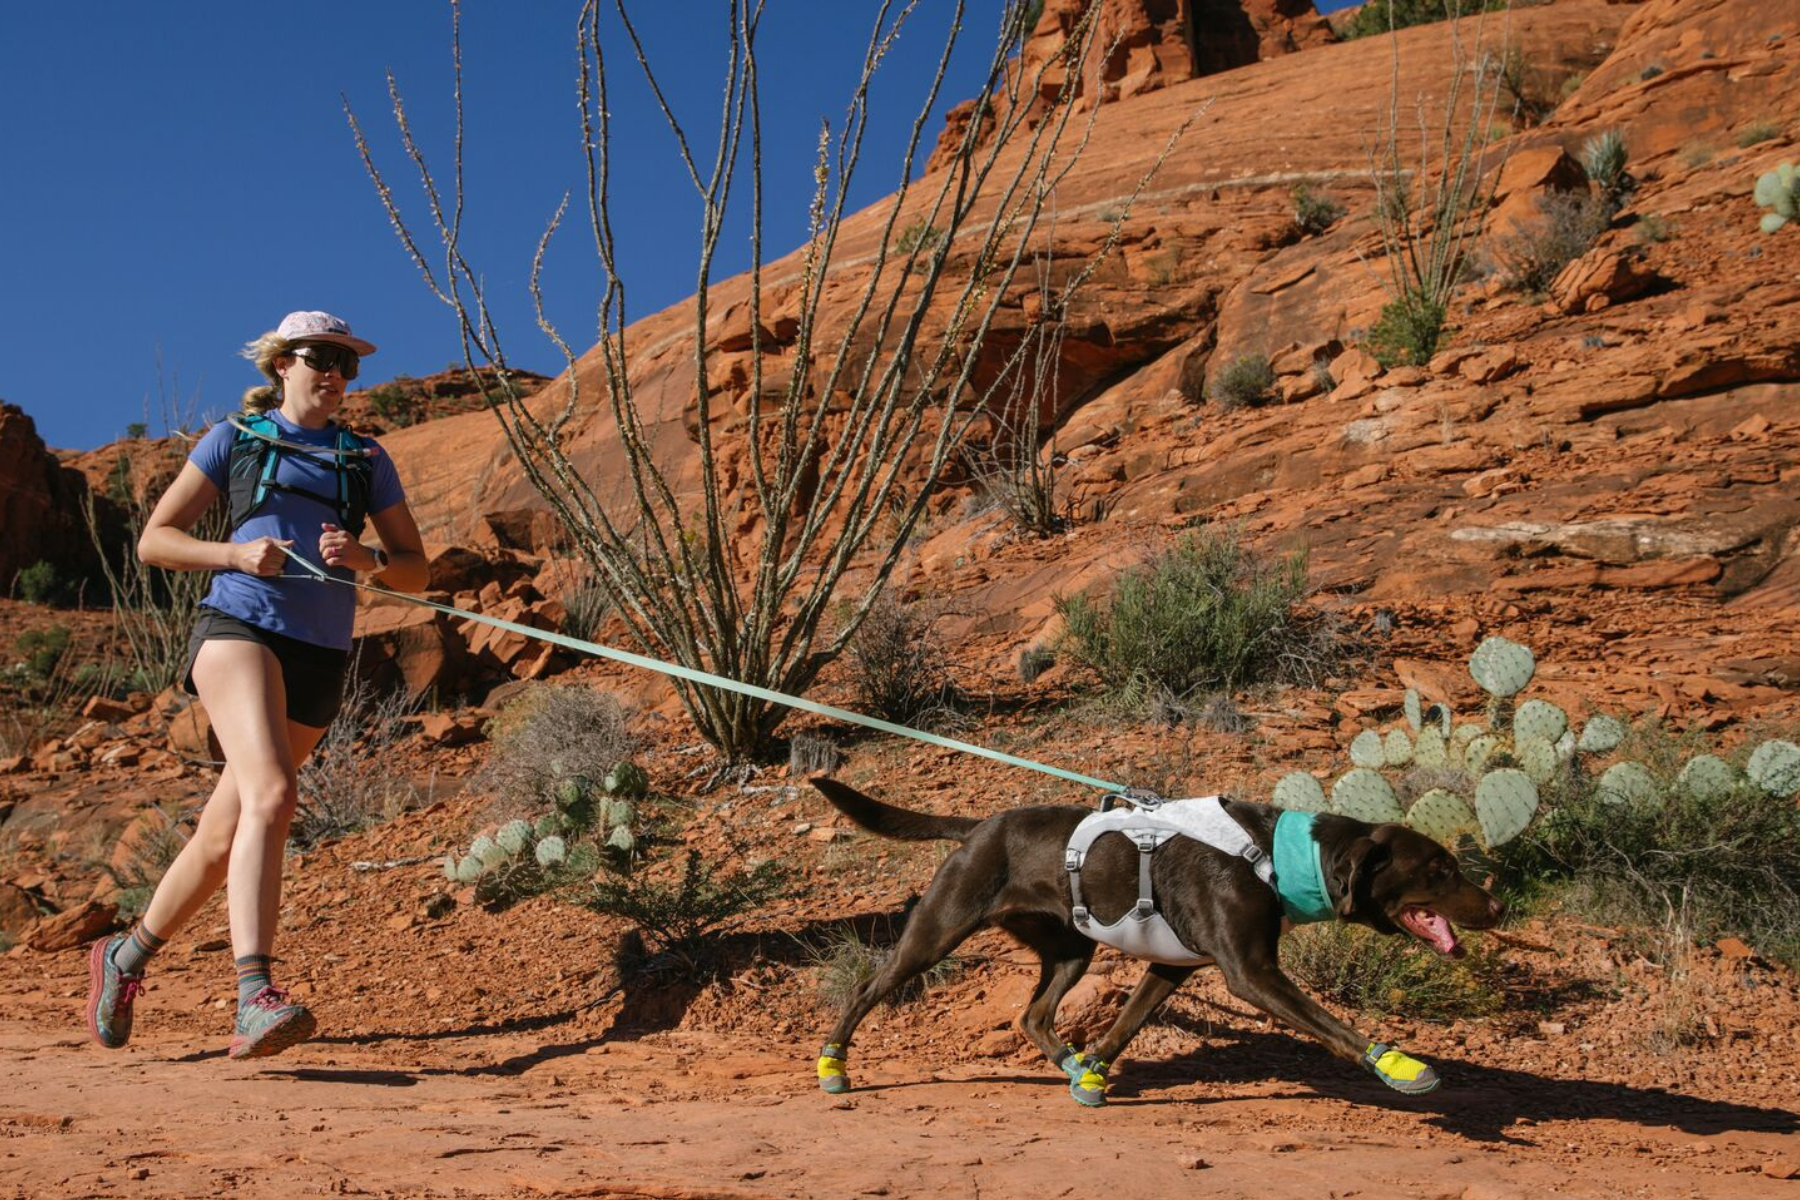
x,y
268,653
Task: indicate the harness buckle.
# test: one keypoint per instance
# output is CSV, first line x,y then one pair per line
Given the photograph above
x,y
1079,914
1071,859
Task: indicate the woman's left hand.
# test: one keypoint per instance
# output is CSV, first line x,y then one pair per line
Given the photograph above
x,y
339,549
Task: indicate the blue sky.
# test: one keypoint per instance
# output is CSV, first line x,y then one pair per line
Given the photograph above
x,y
179,176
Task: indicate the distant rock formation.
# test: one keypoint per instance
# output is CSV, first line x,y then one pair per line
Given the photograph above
x,y
1143,45
40,504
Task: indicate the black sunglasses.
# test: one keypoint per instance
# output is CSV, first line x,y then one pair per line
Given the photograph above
x,y
324,359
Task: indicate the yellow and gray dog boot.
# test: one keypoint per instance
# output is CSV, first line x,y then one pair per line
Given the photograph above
x,y
1087,1079
832,1078
1403,1074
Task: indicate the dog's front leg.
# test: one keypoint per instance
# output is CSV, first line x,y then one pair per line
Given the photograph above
x,y
1257,979
1087,1072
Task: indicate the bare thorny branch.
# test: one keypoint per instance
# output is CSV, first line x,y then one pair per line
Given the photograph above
x,y
843,445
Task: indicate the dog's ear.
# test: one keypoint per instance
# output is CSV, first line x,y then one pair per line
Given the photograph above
x,y
1360,862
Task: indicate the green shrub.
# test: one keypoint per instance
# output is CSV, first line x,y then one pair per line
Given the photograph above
x,y
394,407
1247,380
921,236
1378,16
898,665
1314,212
1565,225
42,583
1730,863
1207,614
846,963
43,649
1408,330
677,917
552,734
1364,970
1757,132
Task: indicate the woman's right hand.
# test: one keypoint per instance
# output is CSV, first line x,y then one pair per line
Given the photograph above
x,y
264,556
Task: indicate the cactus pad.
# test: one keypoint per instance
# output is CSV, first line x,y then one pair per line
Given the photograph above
x,y
1707,777
1779,192
1300,792
1441,816
1627,783
1366,749
1538,759
1366,796
622,839
1396,748
486,851
551,852
549,825
1505,802
468,870
513,837
1479,750
1775,768
1566,745
1539,719
626,779
1430,750
449,865
1600,734
1502,667
1415,713
571,792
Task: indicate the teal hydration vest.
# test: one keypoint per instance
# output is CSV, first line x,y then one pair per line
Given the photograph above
x,y
256,453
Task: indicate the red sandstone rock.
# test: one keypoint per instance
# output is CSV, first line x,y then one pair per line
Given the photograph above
x,y
73,928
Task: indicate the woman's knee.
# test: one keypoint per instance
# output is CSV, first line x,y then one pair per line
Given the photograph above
x,y
267,802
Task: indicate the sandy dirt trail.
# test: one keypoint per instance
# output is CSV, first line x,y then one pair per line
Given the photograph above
x,y
563,1106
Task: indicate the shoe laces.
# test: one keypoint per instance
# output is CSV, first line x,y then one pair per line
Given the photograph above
x,y
128,990
269,997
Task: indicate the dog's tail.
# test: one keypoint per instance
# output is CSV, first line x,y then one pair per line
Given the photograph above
x,y
890,822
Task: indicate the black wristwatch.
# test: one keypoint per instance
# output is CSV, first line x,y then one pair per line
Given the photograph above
x,y
381,560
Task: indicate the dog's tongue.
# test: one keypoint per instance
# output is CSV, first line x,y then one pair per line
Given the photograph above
x,y
1431,929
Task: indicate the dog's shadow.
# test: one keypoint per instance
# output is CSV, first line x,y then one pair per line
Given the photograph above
x,y
1478,1101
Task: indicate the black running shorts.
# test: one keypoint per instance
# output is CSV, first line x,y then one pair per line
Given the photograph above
x,y
313,676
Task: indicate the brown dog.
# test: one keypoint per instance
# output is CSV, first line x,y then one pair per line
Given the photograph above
x,y
1010,872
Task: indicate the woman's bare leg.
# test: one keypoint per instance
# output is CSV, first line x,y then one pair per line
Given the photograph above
x,y
200,869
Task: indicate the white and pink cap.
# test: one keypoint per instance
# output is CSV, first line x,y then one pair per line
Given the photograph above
x,y
322,327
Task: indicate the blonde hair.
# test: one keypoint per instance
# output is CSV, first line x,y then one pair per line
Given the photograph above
x,y
263,352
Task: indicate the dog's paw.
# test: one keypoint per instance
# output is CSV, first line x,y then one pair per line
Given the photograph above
x,y
832,1078
1398,1071
1087,1079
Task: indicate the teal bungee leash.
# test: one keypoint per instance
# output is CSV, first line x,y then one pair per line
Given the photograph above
x,y
704,677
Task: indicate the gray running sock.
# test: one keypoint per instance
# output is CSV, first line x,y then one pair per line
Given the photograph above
x,y
253,976
136,951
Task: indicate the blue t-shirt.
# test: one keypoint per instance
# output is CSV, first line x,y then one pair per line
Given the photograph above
x,y
293,603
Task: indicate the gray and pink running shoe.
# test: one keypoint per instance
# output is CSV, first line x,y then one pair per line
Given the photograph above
x,y
110,993
269,1023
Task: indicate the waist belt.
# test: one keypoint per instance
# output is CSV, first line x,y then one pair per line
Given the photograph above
x,y
1142,932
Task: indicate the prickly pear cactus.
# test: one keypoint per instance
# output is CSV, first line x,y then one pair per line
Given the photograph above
x,y
551,852
1300,792
1502,667
620,812
1627,783
468,869
549,825
622,838
1539,719
513,837
1415,713
1707,777
1600,734
1779,192
571,792
449,865
1396,748
1441,816
1505,802
1775,768
1365,795
1366,749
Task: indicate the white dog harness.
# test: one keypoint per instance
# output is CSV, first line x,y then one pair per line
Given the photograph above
x,y
1142,931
